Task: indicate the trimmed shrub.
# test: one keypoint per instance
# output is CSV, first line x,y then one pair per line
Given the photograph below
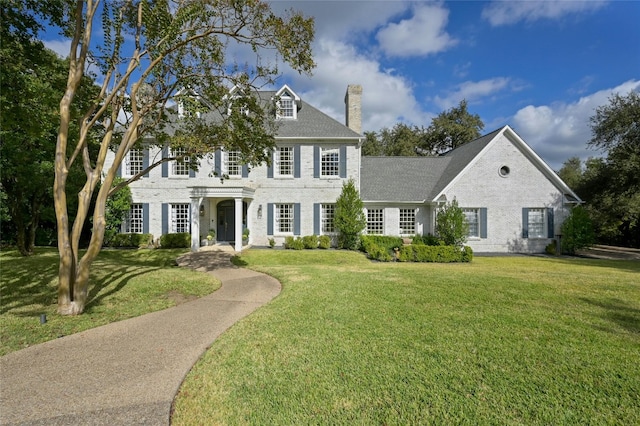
x,y
451,224
440,254
131,240
324,242
179,240
428,240
310,241
292,243
349,219
384,241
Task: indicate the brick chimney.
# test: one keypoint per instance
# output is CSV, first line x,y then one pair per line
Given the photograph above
x,y
353,107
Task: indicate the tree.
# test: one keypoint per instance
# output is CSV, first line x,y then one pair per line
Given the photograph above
x,y
452,128
349,219
571,172
118,205
451,224
612,186
149,51
447,131
577,231
32,80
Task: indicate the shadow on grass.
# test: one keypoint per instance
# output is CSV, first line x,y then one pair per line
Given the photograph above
x,y
624,265
619,312
28,285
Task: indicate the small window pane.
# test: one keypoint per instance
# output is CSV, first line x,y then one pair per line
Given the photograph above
x,y
473,219
179,167
180,218
133,162
330,162
286,108
407,221
234,168
328,213
133,222
284,218
536,223
284,161
375,221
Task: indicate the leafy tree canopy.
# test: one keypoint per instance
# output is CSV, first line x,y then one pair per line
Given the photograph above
x,y
151,55
447,131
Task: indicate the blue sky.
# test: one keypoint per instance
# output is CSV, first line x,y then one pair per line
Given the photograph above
x,y
541,67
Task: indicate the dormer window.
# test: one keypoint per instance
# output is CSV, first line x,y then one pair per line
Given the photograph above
x,y
285,109
287,103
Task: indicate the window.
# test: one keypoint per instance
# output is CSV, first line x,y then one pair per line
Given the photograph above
x,y
473,219
327,214
407,221
286,107
234,168
284,161
375,221
179,167
179,221
134,220
284,218
133,162
536,223
330,162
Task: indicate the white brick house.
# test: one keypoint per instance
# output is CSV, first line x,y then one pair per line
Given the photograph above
x,y
514,202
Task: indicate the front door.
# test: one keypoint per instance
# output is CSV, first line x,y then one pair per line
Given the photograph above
x,y
226,221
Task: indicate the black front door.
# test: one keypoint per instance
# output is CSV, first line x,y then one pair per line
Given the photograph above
x,y
226,221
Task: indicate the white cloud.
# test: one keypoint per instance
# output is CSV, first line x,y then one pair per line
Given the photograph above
x,y
561,130
386,98
511,12
60,47
423,34
473,91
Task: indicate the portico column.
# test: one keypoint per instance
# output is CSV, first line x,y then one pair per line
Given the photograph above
x,y
238,230
195,223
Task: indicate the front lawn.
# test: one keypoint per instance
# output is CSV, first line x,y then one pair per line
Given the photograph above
x,y
124,284
506,340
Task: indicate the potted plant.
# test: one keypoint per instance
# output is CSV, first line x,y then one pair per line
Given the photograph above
x,y
272,242
211,237
245,235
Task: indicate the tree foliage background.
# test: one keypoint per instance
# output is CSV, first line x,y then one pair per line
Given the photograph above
x,y
447,131
32,81
610,186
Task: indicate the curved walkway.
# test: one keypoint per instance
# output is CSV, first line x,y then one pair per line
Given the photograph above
x,y
128,372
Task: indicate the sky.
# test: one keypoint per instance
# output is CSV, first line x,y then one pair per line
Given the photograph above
x,y
541,67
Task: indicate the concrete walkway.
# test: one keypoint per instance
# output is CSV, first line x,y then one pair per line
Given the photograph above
x,y
128,372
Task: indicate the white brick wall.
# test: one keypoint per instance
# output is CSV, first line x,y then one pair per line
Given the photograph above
x,y
504,197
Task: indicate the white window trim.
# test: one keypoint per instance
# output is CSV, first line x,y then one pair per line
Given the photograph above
x,y
383,220
173,220
324,150
225,164
543,234
322,219
478,224
400,221
276,163
139,219
174,164
276,221
294,110
126,170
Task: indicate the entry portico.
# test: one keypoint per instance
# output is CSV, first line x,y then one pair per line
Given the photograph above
x,y
208,215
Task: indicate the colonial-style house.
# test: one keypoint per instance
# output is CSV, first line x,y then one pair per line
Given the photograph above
x,y
512,200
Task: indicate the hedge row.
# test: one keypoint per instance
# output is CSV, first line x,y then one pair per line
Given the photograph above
x,y
179,240
380,247
130,240
441,254
307,242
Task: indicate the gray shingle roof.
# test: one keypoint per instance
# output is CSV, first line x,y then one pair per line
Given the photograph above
x,y
415,179
310,123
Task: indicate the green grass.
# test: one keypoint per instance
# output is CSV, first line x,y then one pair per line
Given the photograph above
x,y
123,284
508,340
